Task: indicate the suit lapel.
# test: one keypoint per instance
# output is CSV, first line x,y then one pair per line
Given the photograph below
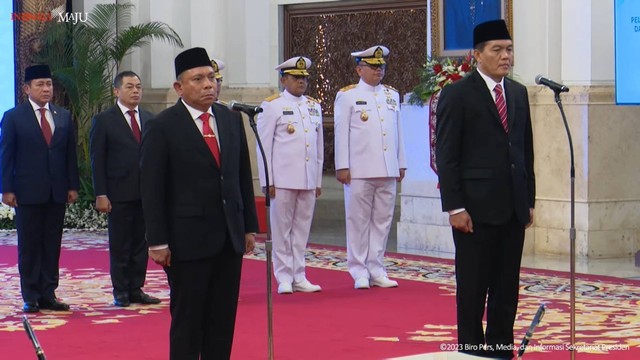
x,y
487,98
122,124
29,112
143,118
33,124
59,125
193,134
223,133
511,103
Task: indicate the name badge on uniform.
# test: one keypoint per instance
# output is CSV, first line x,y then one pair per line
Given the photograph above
x,y
287,112
314,111
391,101
361,102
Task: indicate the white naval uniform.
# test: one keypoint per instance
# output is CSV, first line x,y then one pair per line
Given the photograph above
x,y
290,129
368,142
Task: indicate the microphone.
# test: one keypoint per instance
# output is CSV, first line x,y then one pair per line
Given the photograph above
x,y
32,336
541,80
527,337
245,108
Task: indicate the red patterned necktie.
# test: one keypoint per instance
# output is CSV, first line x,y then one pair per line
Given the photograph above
x,y
134,125
502,107
210,137
44,124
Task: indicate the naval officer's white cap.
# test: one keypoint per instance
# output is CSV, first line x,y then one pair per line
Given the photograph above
x,y
218,65
373,55
296,66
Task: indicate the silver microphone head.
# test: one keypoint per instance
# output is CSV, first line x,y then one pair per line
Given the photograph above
x,y
231,104
538,77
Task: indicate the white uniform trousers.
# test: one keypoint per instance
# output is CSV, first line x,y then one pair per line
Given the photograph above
x,y
369,206
291,213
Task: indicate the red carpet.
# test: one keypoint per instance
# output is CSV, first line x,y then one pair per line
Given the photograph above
x,y
337,323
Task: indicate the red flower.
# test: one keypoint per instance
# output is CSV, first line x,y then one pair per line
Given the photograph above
x,y
438,73
455,77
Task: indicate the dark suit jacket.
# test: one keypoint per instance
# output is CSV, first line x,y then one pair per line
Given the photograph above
x,y
32,170
480,167
189,203
115,155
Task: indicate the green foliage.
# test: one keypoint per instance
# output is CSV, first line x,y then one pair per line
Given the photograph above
x,y
84,59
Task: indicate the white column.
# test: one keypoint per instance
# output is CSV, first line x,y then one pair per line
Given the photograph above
x,y
177,15
537,39
602,43
576,41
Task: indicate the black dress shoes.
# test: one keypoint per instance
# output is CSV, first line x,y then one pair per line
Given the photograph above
x,y
30,307
53,304
141,298
121,300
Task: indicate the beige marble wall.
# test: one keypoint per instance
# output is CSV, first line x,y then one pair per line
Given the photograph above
x,y
156,100
606,141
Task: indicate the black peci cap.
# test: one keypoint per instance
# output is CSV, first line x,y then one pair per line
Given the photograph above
x,y
192,58
490,30
37,72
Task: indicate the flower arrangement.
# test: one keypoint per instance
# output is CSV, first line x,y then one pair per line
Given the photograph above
x,y
7,214
437,74
83,215
77,216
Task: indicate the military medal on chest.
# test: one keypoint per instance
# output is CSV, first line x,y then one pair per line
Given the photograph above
x,y
313,111
390,100
288,112
363,114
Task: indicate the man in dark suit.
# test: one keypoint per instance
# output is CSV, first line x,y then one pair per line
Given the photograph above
x,y
197,196
115,161
39,175
484,153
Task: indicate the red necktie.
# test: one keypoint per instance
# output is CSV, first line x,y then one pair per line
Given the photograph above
x,y
210,137
502,107
134,125
44,124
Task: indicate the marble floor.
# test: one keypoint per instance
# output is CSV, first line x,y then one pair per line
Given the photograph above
x,y
328,229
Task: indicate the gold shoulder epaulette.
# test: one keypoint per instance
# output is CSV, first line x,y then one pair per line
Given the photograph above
x,y
349,87
391,87
272,97
312,99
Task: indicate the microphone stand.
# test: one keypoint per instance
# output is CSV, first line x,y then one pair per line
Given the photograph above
x,y
267,244
32,336
572,235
